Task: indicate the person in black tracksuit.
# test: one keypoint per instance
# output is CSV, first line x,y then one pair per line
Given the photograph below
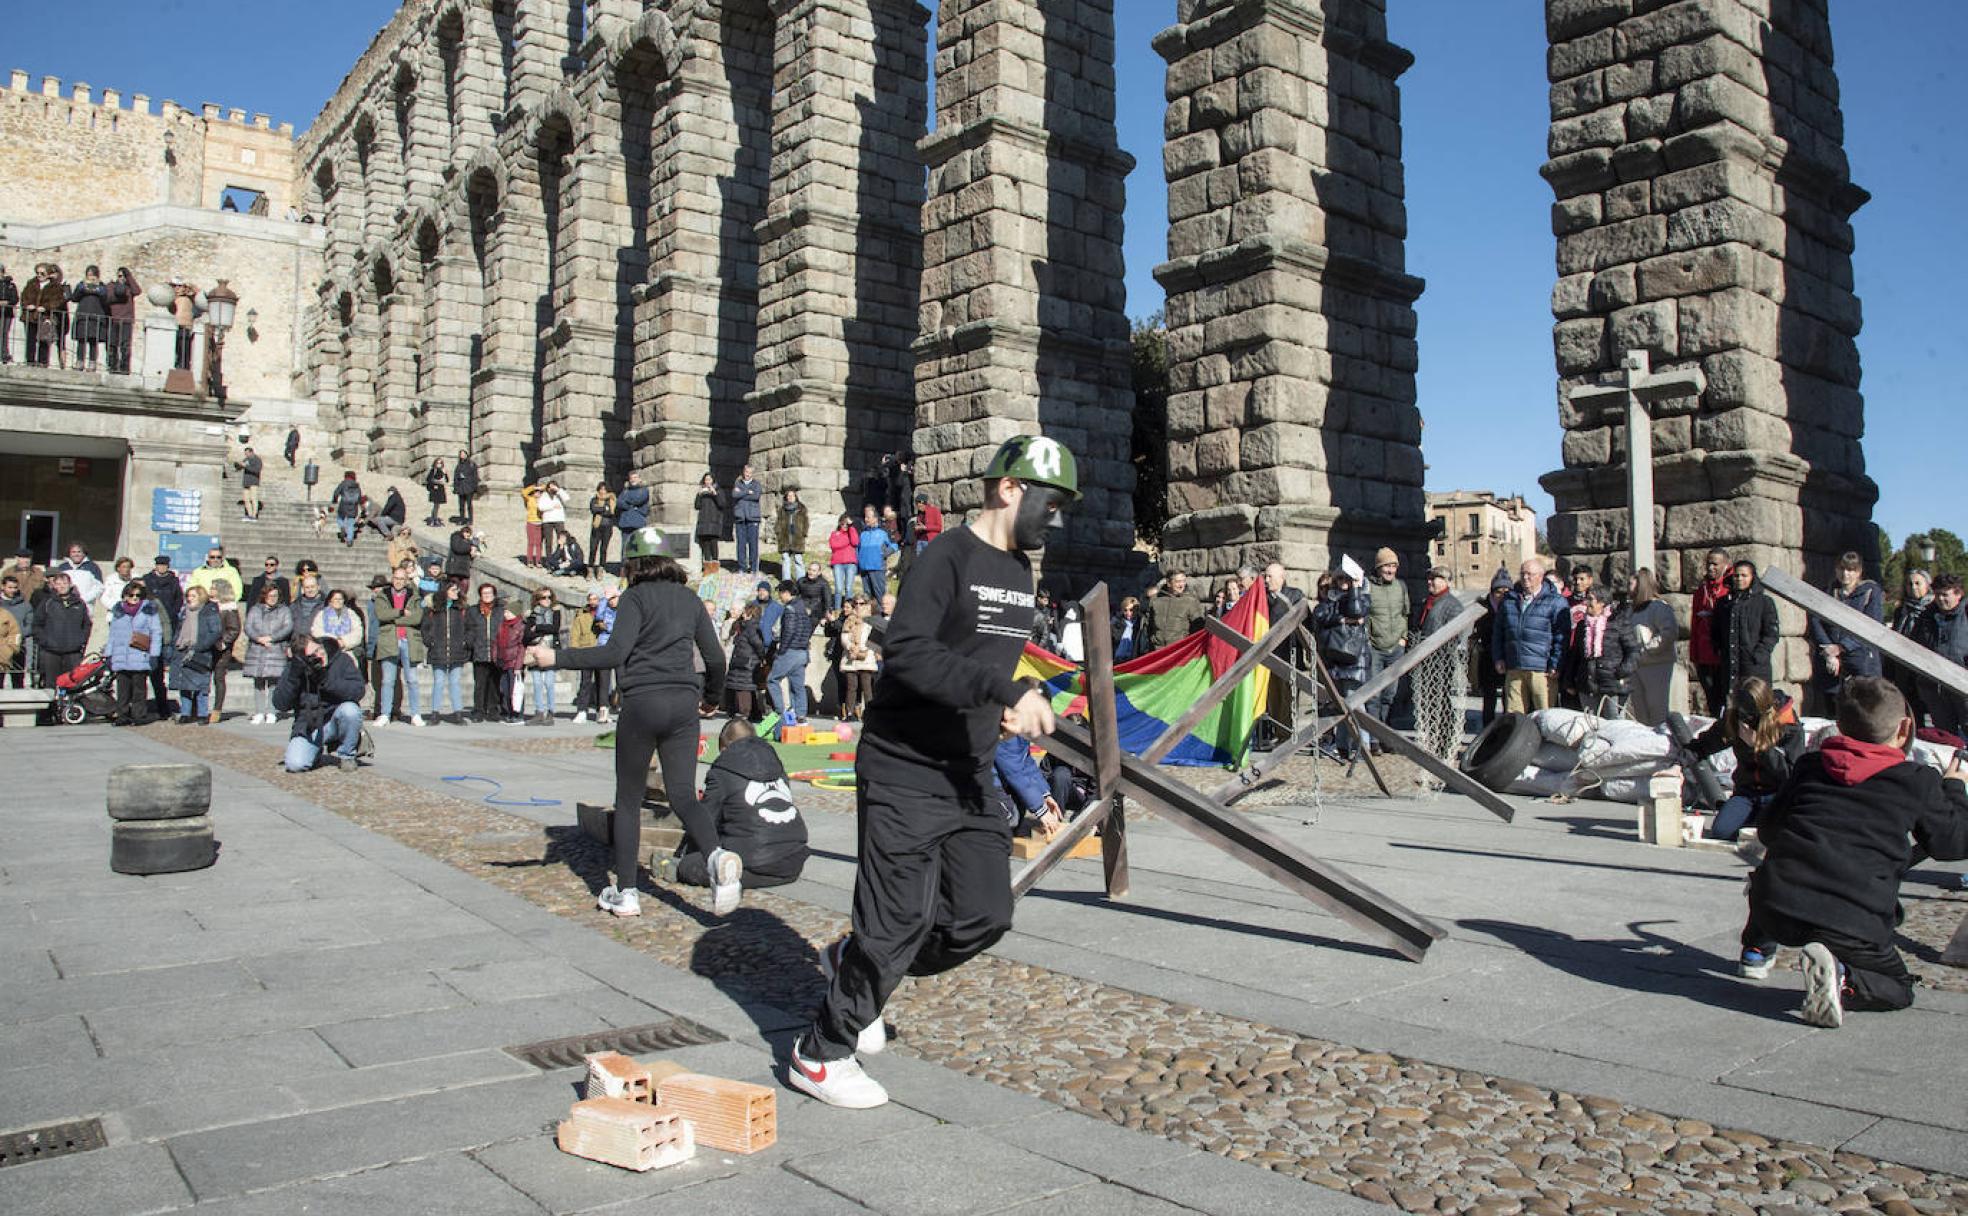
x,y
1854,816
932,886
747,796
657,622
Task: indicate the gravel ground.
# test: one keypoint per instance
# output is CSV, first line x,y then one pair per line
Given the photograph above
x,y
1392,1130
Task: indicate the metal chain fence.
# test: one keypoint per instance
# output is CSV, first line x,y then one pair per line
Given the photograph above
x,y
1438,685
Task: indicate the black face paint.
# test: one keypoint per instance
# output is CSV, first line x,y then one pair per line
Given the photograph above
x,y
1039,512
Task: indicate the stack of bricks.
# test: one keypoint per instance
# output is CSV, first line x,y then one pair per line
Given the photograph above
x,y
644,1117
1292,421
1023,323
1703,216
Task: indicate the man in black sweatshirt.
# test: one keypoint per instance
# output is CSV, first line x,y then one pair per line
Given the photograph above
x,y
746,792
1840,836
932,888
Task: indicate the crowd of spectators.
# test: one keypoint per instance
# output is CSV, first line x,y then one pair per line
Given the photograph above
x,y
48,318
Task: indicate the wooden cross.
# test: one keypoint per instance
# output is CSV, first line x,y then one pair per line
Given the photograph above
x,y
1635,387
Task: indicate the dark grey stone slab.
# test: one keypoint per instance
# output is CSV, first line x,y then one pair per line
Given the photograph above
x,y
257,1156
487,982
949,1095
128,1178
1103,1149
448,1185
58,1091
939,1171
29,999
508,1023
1099,1199
561,1182
383,1082
766,1192
149,951
203,1111
1883,1063
58,1040
1219,1186
125,1031
339,964
1920,1145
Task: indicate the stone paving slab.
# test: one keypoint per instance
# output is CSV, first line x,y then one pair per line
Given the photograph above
x,y
450,1184
126,1178
939,1171
459,1106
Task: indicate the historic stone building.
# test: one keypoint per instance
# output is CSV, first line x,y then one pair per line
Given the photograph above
x,y
582,237
576,238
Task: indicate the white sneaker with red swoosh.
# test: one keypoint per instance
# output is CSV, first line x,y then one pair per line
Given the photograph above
x,y
835,1082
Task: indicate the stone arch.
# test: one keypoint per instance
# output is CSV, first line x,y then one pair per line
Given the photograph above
x,y
651,34
354,359
366,153
393,294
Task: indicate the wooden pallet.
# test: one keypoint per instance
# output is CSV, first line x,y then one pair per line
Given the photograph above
x,y
732,1116
1025,848
632,1135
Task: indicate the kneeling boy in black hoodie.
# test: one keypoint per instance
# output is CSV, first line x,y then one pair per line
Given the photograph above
x,y
1841,834
746,792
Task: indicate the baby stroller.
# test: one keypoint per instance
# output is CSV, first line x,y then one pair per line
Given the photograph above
x,y
84,693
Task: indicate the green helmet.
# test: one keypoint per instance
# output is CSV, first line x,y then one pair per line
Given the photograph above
x,y
642,542
1037,459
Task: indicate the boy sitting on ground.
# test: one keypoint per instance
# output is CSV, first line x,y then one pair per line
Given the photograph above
x,y
746,792
1840,836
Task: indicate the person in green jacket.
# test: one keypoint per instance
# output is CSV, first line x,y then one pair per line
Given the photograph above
x,y
1388,614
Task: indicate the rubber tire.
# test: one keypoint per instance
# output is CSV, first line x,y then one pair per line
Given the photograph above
x,y
162,846
159,791
72,713
1499,753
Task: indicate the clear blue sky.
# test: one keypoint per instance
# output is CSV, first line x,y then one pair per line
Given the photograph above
x,y
1475,116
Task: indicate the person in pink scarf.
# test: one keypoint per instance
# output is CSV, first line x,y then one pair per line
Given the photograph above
x,y
1599,664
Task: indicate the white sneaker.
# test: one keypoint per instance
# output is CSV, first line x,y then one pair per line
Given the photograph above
x,y
621,903
727,876
581,715
835,1082
1824,1003
873,1039
416,719
380,723
603,717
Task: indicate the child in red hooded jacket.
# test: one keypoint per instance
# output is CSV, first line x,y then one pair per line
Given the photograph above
x,y
1840,835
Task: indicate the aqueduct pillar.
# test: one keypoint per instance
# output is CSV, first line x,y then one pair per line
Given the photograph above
x,y
1292,421
1703,205
1023,321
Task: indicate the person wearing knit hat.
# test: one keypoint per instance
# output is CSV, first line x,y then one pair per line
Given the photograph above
x,y
1388,614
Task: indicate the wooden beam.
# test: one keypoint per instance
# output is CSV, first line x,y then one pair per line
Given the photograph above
x,y
1097,640
1272,663
1902,650
1246,663
1451,776
1062,841
1249,777
1465,622
1372,912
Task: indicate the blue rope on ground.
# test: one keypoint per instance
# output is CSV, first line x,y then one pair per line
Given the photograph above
x,y
492,799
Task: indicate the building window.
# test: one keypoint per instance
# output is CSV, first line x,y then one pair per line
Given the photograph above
x,y
1475,547
1475,521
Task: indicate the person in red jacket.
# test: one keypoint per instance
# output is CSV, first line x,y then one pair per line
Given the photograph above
x,y
1710,666
929,521
509,652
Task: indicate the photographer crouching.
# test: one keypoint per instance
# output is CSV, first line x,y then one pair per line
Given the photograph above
x,y
322,688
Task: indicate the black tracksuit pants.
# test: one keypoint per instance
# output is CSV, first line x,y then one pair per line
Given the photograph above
x,y
694,869
932,892
1875,974
660,723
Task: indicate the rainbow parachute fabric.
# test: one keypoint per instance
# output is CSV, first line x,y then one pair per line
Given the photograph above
x,y
1154,690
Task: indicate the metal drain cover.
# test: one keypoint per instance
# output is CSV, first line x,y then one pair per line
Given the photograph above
x,y
51,1140
629,1040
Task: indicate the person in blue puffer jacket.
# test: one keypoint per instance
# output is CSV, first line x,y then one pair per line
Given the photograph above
x,y
1527,640
133,619
872,553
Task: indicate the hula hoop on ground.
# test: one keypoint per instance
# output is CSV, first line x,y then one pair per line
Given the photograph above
x,y
846,782
821,774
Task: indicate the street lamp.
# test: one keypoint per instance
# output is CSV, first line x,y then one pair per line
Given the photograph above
x,y
221,303
1925,547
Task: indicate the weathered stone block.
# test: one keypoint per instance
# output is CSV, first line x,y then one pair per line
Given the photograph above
x,y
1609,245
1721,222
1728,319
1649,327
1570,215
1579,345
1612,289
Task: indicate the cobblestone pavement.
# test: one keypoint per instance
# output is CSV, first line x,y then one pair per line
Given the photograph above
x,y
1392,1130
